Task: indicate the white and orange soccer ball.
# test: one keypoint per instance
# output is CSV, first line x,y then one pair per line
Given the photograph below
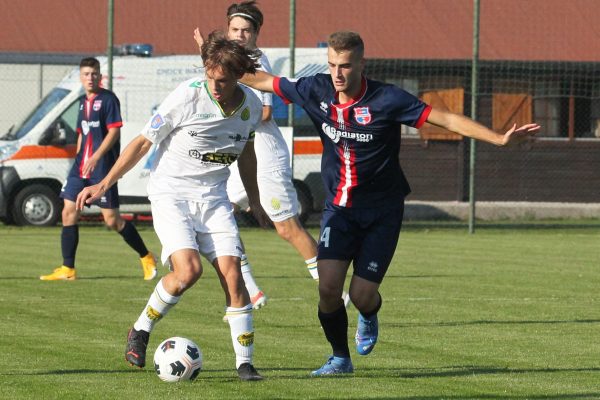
x,y
177,359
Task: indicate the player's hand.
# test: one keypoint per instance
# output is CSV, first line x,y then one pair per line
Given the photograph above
x,y
515,134
89,166
89,195
198,37
261,216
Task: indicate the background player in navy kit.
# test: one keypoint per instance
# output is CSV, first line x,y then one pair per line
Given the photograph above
x,y
358,120
98,125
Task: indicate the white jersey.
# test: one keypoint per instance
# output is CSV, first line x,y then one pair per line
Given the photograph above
x,y
269,145
197,142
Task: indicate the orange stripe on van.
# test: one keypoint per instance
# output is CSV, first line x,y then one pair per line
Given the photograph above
x,y
36,152
308,146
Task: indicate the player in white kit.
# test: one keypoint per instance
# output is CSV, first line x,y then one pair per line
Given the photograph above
x,y
200,129
274,175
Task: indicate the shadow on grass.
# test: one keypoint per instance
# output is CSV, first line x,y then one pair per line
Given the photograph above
x,y
368,373
587,395
491,322
79,278
541,225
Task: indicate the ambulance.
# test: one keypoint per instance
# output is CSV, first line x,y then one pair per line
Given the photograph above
x,y
37,153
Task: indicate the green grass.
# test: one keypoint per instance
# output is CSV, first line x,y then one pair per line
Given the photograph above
x,y
503,314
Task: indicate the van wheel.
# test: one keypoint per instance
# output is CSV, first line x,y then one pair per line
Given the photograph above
x,y
305,200
36,205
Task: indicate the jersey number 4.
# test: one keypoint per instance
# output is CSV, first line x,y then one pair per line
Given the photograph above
x,y
325,236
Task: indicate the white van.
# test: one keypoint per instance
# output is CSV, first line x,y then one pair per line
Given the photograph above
x,y
36,154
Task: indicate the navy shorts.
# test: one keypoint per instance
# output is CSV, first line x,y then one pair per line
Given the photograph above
x,y
74,185
368,237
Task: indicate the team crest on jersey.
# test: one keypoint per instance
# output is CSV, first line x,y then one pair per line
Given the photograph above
x,y
97,105
157,121
362,115
245,114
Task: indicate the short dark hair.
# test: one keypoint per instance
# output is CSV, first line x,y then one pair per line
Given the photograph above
x,y
247,10
347,40
231,56
90,62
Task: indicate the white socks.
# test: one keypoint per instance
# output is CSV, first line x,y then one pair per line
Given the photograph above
x,y
242,333
158,305
249,281
311,265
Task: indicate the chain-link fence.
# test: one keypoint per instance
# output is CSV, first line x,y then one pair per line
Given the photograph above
x,y
538,62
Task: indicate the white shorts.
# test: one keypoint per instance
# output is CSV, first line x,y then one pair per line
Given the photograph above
x,y
277,193
208,228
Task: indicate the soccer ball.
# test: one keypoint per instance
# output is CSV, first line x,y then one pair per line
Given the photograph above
x,y
177,359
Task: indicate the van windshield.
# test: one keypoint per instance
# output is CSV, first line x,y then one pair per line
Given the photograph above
x,y
47,104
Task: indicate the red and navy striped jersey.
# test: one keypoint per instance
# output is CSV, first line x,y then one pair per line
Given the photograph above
x,y
361,138
97,115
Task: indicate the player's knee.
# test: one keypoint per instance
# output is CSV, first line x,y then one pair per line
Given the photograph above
x,y
329,292
188,276
112,223
69,216
363,301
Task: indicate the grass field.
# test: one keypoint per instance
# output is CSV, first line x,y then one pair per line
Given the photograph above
x,y
506,313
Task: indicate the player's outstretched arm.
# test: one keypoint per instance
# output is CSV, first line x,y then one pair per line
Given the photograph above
x,y
128,158
467,127
260,80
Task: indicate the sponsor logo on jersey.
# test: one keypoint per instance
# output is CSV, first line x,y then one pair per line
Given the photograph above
x,y
157,121
204,116
196,84
362,115
200,133
97,105
246,339
237,137
335,134
324,107
86,125
213,158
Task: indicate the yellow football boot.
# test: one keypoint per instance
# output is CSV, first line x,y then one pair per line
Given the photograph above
x,y
61,273
149,266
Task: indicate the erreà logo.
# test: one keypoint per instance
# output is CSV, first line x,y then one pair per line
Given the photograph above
x,y
245,114
196,84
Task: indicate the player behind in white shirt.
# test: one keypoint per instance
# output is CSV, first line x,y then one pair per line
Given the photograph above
x,y
200,129
274,175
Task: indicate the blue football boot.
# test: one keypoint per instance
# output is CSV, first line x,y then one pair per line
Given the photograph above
x,y
366,334
335,366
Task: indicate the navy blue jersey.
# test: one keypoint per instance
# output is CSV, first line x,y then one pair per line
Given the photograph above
x,y
96,116
361,139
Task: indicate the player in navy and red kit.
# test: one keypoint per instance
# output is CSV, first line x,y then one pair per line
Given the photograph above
x,y
359,120
98,125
